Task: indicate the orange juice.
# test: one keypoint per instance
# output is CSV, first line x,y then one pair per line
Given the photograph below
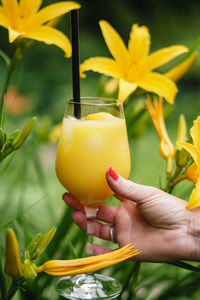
x,y
86,149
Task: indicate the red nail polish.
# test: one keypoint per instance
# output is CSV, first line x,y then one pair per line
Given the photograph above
x,y
113,174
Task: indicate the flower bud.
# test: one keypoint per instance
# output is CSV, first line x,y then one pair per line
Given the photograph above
x,y
13,265
43,242
181,154
29,270
20,139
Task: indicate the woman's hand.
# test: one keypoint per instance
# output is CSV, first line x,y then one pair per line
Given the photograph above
x,y
157,223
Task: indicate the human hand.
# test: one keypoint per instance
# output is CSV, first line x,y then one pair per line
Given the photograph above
x,y
157,223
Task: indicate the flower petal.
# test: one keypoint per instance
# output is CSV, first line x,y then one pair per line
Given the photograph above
x,y
125,89
52,11
159,84
103,65
191,173
28,7
192,150
3,18
162,56
115,44
195,133
179,71
13,35
195,197
139,43
50,36
11,11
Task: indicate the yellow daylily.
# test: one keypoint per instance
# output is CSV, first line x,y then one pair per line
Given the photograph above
x,y
23,19
28,270
88,264
194,170
166,148
133,66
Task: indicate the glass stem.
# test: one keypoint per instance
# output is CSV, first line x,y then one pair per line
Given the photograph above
x,y
90,214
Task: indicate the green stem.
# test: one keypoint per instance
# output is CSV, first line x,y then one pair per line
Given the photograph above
x,y
19,47
2,103
184,265
15,285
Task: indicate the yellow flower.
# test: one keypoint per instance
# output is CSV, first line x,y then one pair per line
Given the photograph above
x,y
55,133
133,66
28,270
191,173
23,19
13,264
194,170
88,264
166,148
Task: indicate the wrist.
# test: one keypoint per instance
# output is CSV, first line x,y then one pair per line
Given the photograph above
x,y
194,235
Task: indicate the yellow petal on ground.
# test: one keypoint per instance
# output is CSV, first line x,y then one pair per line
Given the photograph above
x,y
52,11
3,18
50,36
162,56
192,150
125,89
28,7
115,44
195,133
180,70
13,35
159,84
103,65
195,197
139,43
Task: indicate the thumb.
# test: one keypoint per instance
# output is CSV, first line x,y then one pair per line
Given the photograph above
x,y
128,189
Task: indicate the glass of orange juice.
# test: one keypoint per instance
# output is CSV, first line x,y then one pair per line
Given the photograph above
x,y
87,147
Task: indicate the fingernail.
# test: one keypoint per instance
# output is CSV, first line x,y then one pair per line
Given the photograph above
x,y
113,174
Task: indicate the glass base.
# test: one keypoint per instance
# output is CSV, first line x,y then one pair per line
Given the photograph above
x,y
88,286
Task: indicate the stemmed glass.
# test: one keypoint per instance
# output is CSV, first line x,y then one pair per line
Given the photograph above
x,y
87,147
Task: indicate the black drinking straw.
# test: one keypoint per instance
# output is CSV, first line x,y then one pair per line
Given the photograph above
x,y
75,62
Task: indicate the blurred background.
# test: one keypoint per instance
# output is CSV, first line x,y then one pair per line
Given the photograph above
x,y
30,197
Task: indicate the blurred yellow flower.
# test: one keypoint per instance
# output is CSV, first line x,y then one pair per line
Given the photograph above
x,y
23,19
55,133
133,66
13,264
194,170
166,148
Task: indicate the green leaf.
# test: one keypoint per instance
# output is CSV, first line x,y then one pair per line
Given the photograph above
x,y
191,50
5,57
72,249
2,138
